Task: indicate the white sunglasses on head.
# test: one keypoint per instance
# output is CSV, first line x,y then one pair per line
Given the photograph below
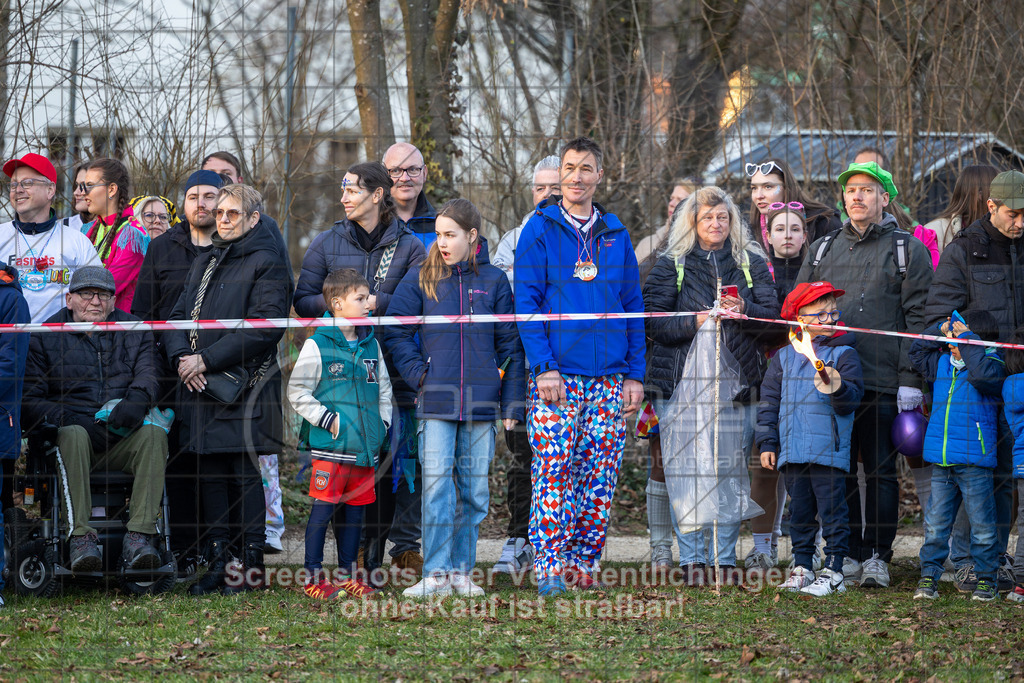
x,y
765,168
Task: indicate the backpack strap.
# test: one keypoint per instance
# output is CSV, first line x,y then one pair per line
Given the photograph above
x,y
745,267
680,263
899,251
823,248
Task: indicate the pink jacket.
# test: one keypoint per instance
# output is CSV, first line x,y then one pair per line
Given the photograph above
x,y
927,235
122,250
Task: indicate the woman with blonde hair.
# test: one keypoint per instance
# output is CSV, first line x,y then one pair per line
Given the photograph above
x,y
708,245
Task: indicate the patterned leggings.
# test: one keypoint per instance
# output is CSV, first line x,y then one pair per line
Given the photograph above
x,y
577,451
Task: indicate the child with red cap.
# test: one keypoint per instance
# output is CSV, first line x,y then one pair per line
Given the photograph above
x,y
803,428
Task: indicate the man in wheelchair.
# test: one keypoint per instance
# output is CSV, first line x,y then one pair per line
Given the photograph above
x,y
98,388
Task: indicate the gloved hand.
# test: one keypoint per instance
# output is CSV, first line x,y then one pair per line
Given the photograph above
x,y
908,398
129,412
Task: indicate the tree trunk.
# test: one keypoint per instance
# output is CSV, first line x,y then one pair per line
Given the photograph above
x,y
433,85
5,39
371,77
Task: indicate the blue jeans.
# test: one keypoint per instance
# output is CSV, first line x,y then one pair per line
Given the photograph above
x,y
450,526
697,547
1002,493
347,521
973,486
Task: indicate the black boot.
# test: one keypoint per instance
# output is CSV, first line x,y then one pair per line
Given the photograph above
x,y
254,575
212,581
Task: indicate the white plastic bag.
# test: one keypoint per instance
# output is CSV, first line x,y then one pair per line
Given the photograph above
x,y
701,495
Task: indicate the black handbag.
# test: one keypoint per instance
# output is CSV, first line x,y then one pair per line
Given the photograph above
x,y
227,385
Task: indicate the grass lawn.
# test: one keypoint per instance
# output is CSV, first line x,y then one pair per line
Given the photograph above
x,y
635,632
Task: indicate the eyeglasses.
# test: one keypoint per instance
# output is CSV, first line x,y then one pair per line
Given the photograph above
x,y
413,171
155,217
796,206
823,317
232,214
88,187
765,168
104,297
27,185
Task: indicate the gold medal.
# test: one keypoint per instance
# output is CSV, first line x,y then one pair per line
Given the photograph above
x,y
585,270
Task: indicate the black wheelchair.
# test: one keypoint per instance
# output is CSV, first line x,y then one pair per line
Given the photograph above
x,y
36,550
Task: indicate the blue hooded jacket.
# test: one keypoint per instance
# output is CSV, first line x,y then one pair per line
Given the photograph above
x,y
1013,407
965,403
546,256
457,368
13,354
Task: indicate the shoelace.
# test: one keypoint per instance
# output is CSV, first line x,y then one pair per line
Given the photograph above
x,y
353,587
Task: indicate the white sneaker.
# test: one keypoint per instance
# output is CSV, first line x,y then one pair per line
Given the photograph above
x,y
817,561
799,579
851,569
875,573
516,556
827,583
661,557
463,585
429,586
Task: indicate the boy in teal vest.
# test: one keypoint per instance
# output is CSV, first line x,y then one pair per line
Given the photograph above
x,y
340,387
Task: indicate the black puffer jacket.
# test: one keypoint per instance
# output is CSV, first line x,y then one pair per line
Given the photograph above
x,y
671,337
981,269
70,375
250,280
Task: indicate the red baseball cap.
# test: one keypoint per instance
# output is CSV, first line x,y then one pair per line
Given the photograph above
x,y
37,162
806,293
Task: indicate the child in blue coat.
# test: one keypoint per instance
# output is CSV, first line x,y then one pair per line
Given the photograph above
x,y
468,375
1013,407
961,443
804,428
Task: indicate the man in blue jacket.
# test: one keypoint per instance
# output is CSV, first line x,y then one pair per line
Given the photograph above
x,y
586,375
13,352
406,167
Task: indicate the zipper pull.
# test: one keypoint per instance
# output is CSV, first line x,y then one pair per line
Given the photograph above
x,y
471,301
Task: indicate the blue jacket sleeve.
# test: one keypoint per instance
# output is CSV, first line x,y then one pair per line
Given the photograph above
x,y
531,295
986,370
13,355
309,297
633,302
507,344
847,397
766,435
400,340
925,354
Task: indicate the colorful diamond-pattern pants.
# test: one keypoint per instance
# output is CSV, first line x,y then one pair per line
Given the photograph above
x,y
577,449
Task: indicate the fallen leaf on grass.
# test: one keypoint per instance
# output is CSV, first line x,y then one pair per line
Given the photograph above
x,y
748,655
810,621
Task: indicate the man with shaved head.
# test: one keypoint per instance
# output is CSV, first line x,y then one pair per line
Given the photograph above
x,y
409,173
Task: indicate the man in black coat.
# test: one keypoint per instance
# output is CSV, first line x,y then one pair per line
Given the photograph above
x,y
72,376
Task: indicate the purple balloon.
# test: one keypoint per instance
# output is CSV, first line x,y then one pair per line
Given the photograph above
x,y
908,433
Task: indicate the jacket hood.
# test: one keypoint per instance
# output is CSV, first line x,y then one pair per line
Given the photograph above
x,y
347,229
424,209
364,333
10,278
840,338
251,242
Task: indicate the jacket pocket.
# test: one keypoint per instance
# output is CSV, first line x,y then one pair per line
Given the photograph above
x,y
835,434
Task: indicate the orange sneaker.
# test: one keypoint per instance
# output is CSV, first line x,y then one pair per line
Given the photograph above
x,y
355,588
322,591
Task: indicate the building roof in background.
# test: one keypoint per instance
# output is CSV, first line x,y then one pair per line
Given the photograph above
x,y
821,155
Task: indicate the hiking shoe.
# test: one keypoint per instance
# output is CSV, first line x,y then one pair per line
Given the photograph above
x,y
429,586
927,589
1017,594
661,557
695,574
410,560
760,561
516,556
799,578
965,579
827,583
581,581
356,588
852,569
1004,575
272,545
463,585
874,573
138,552
551,586
985,592
85,553
188,566
322,590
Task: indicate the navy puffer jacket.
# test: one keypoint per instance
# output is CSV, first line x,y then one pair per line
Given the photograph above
x,y
672,337
456,370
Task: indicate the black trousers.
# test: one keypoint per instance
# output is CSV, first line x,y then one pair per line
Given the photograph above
x,y
872,424
520,487
233,504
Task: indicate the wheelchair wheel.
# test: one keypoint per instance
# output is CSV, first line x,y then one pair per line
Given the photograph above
x,y
18,530
160,583
32,564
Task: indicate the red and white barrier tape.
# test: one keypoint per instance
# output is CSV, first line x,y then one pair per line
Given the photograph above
x,y
387,320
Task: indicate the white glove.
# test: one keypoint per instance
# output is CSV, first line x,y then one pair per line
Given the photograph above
x,y
908,398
